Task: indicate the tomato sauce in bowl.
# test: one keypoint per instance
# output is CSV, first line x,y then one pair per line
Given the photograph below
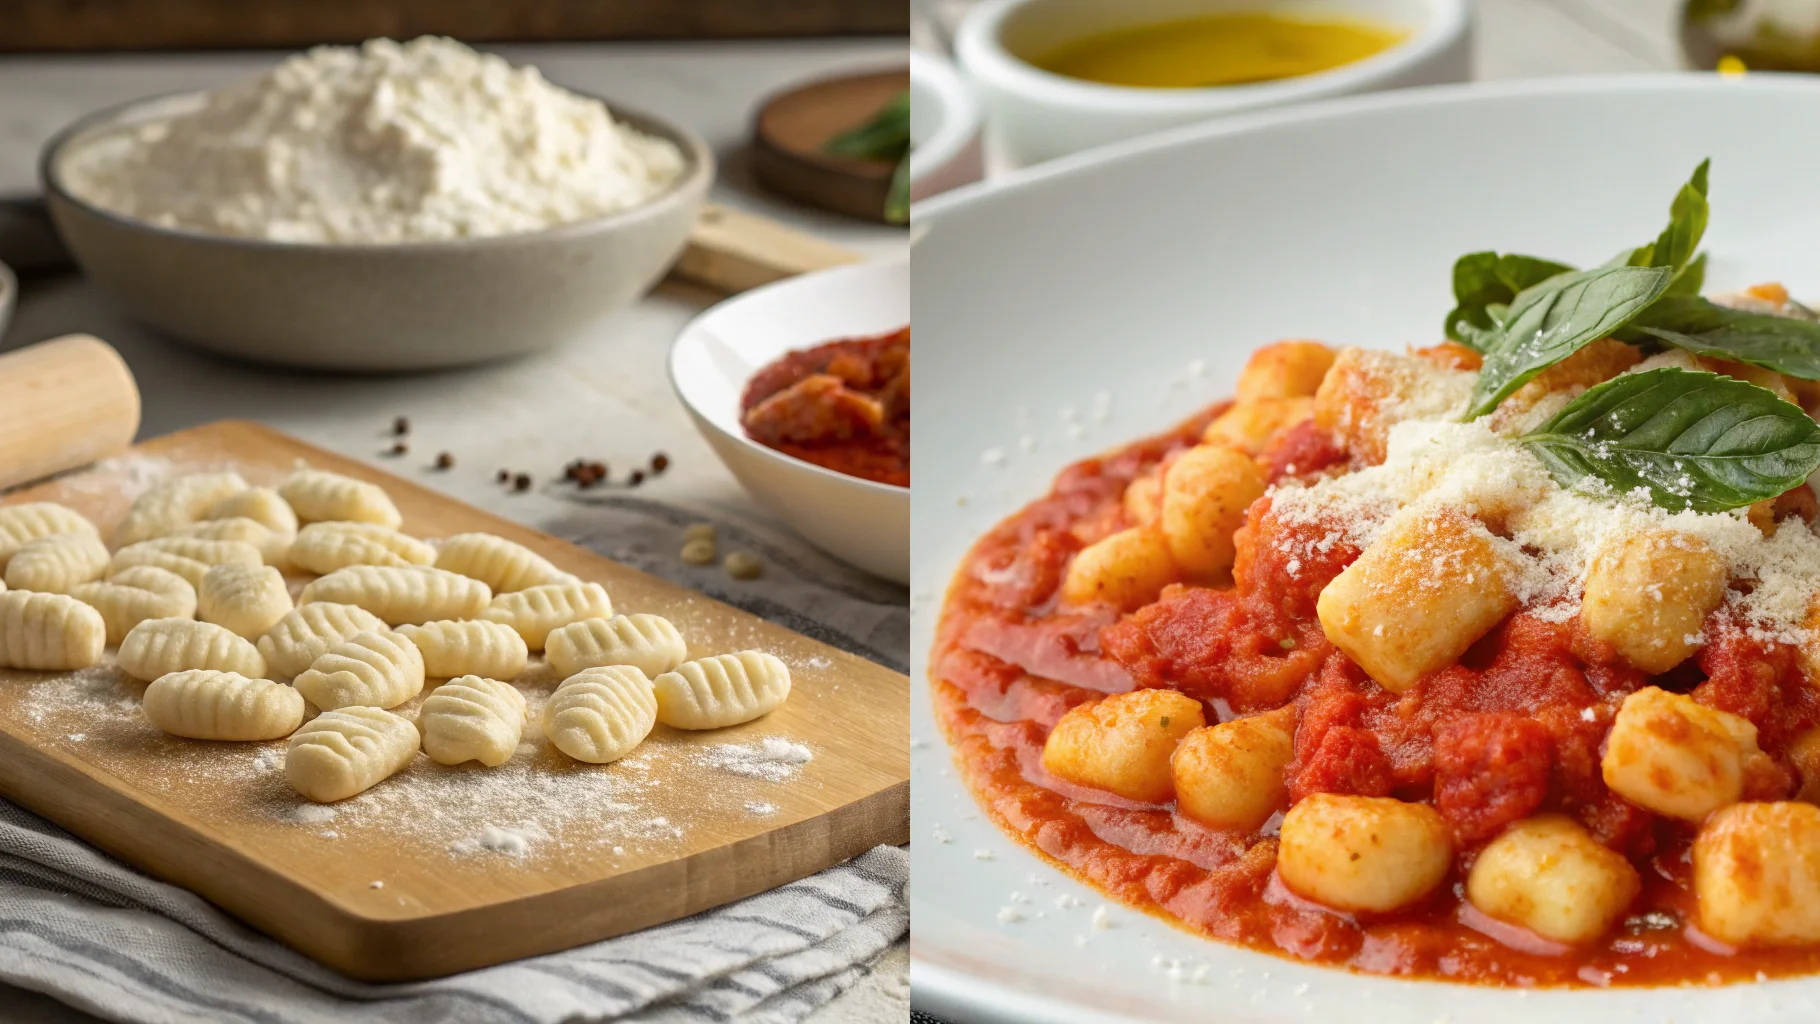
x,y
843,405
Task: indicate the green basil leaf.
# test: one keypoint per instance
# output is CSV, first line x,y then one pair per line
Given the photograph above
x,y
1687,214
1553,320
1780,343
1694,440
1482,280
1691,278
897,200
885,137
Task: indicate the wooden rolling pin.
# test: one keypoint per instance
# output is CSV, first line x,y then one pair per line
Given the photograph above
x,y
63,403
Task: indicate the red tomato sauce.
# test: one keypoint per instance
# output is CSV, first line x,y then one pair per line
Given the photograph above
x,y
844,406
1514,729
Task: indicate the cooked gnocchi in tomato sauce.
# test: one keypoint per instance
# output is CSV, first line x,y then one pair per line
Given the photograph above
x,y
1339,671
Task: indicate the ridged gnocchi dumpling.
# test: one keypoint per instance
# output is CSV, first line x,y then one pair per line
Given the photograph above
x,y
601,714
727,689
400,595
159,647
49,632
188,557
262,505
648,642
245,599
469,648
472,718
317,496
274,547
208,705
501,564
58,563
296,640
135,595
325,547
22,524
380,670
339,754
536,611
175,503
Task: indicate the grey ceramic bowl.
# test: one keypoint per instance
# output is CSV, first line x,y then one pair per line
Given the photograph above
x,y
373,308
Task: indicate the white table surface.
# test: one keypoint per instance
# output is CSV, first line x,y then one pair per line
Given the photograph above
x,y
604,396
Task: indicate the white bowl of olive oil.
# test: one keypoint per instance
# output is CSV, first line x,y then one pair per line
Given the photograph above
x,y
1059,76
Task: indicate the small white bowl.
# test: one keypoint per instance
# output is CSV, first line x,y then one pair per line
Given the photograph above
x,y
1034,115
944,128
860,522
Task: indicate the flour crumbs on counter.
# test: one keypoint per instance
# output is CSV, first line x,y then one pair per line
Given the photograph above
x,y
512,842
773,759
760,807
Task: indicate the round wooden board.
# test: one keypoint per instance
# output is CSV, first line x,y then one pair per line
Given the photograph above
x,y
792,127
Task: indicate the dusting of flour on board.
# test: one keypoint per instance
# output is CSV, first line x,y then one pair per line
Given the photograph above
x,y
539,803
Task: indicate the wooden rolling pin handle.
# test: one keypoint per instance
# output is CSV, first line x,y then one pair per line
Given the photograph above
x,y
63,403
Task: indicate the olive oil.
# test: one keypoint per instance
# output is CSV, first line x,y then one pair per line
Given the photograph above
x,y
1216,50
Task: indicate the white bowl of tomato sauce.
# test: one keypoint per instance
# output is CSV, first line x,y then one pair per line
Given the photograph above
x,y
802,388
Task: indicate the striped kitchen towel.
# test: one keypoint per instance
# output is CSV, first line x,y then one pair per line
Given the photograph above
x,y
90,931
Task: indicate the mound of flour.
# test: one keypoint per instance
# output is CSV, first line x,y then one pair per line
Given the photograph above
x,y
386,142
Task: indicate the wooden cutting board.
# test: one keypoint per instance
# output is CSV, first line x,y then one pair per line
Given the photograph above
x,y
438,869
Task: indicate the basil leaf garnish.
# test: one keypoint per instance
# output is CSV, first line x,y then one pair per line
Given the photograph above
x,y
1553,320
1691,279
1676,245
1779,343
1694,440
1483,280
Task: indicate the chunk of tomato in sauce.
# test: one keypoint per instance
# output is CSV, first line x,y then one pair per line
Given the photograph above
x,y
1490,769
1209,644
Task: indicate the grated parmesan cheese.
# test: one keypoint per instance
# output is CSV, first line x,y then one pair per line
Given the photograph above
x,y
1551,533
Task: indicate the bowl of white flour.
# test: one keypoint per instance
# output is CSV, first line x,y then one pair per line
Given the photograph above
x,y
386,207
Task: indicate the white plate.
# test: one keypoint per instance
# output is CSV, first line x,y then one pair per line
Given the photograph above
x,y
862,523
1148,272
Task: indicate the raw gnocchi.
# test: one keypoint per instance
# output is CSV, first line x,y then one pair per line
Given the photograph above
x,y
501,564
135,595
601,714
339,754
474,647
188,557
175,503
273,546
724,690
648,642
317,496
381,670
248,601
400,595
48,632
536,611
295,641
472,718
262,505
22,524
57,564
209,705
323,548
158,647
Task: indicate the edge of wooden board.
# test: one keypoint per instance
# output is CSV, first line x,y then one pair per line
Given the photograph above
x,y
168,844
